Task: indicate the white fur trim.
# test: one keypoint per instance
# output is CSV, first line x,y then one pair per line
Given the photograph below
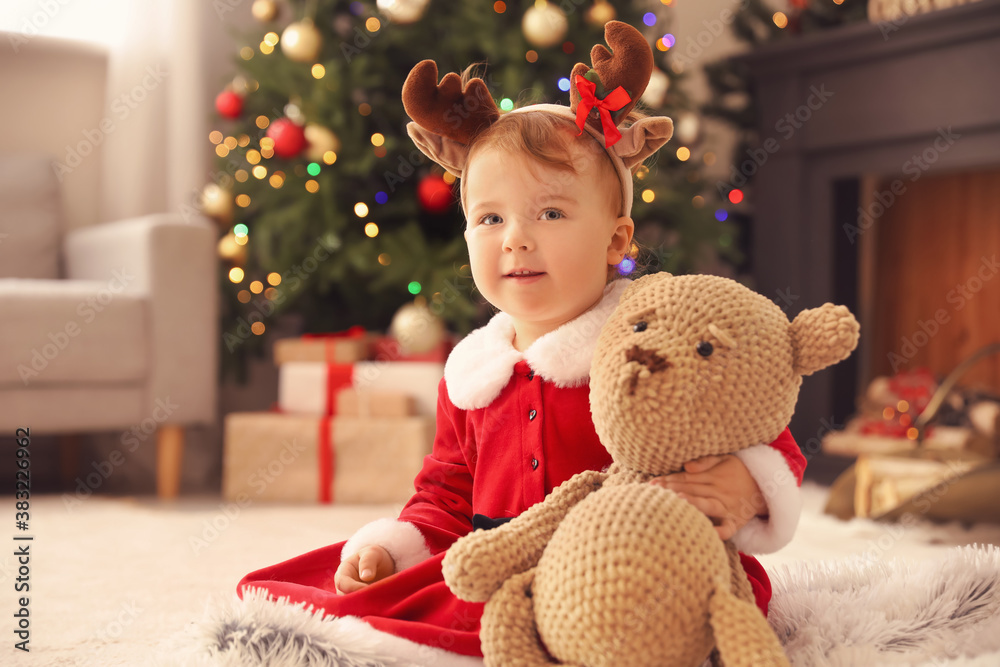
x,y
780,489
404,542
479,367
408,653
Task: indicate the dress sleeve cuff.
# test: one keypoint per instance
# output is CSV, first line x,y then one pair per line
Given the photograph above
x,y
781,492
401,539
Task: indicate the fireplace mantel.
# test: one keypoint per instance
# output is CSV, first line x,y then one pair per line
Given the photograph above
x,y
880,96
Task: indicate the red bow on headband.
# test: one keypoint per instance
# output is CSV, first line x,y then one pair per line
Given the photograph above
x,y
613,101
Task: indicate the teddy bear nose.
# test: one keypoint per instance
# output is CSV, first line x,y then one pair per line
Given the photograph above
x,y
647,358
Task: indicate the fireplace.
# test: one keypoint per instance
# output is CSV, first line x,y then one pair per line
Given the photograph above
x,y
879,188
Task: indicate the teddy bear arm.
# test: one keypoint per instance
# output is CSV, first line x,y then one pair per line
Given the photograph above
x,y
478,563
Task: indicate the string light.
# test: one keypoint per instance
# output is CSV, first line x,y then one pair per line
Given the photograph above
x,y
721,215
240,230
414,287
736,196
568,47
256,287
313,169
361,209
260,172
381,197
378,139
626,266
221,150
506,104
253,157
531,56
564,84
312,186
215,137
364,109
780,19
274,279
371,230
257,328
242,175
266,48
270,294
246,53
683,153
318,71
262,122
903,406
243,200
648,196
373,24
243,296
277,179
697,201
329,157
242,240
649,18
499,7
236,275
384,259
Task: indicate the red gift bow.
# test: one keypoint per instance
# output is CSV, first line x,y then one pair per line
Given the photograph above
x,y
613,101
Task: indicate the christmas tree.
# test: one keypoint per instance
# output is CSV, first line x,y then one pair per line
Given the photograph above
x,y
328,210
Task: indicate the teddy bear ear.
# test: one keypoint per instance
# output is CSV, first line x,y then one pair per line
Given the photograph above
x,y
443,150
823,336
639,283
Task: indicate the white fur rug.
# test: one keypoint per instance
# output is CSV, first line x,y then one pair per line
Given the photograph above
x,y
856,611
121,581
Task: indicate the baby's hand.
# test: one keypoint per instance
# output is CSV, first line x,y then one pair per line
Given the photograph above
x,y
722,488
364,568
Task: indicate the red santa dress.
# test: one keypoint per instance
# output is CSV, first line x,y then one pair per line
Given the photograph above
x,y
511,426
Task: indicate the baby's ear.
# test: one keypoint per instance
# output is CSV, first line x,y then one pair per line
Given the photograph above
x,y
448,153
643,138
823,336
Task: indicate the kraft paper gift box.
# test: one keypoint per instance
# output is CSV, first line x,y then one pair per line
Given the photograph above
x,y
271,456
311,388
346,347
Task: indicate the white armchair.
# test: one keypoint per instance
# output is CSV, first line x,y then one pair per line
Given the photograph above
x,y
103,326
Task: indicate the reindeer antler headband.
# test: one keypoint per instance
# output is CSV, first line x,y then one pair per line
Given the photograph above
x,y
448,118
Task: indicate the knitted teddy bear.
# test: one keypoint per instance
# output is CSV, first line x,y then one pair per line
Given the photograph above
x,y
612,570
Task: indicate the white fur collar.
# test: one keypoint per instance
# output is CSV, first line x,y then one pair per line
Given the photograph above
x,y
479,367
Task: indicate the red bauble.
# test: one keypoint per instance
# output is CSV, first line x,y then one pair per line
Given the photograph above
x,y
289,138
435,194
229,104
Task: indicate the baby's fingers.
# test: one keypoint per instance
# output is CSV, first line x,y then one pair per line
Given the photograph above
x,y
347,579
710,507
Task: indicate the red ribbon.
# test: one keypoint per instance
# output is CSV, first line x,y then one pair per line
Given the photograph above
x,y
613,101
338,376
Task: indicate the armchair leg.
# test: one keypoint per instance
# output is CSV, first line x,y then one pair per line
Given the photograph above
x,y
169,455
69,458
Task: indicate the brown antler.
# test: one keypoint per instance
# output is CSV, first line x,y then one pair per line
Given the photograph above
x,y
446,109
629,65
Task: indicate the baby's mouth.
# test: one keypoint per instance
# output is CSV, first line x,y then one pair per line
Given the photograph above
x,y
524,274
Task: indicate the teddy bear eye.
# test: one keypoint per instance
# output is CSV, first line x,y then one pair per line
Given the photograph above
x,y
639,327
705,348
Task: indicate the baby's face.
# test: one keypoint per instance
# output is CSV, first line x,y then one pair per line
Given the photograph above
x,y
558,226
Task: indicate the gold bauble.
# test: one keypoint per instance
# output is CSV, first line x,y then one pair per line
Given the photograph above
x,y
231,251
403,11
301,41
321,139
544,24
600,13
217,202
416,328
264,10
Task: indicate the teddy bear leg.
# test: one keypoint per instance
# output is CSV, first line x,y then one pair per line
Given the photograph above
x,y
742,636
508,634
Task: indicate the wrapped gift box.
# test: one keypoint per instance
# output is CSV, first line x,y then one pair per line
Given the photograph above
x,y
300,458
338,348
310,388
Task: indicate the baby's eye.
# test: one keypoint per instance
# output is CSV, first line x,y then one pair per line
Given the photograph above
x,y
491,219
556,214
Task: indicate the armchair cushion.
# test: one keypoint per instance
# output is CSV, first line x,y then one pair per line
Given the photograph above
x,y
29,217
71,331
